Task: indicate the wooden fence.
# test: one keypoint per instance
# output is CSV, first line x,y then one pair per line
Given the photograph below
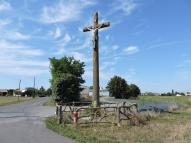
x,y
84,113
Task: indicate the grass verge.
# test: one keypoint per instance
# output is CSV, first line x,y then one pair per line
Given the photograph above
x,y
50,102
165,128
12,100
81,134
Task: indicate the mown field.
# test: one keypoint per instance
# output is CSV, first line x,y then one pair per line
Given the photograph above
x,y
174,127
12,100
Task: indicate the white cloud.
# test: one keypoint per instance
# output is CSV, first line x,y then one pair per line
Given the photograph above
x,y
31,52
4,22
60,51
8,48
4,6
23,71
115,47
77,55
18,59
11,62
80,56
169,44
130,75
125,6
107,65
107,37
131,50
105,50
64,11
184,64
18,35
104,75
84,44
13,34
56,33
67,38
188,61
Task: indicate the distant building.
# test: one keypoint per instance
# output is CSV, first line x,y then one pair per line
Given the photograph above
x,y
188,94
102,92
89,92
85,91
3,92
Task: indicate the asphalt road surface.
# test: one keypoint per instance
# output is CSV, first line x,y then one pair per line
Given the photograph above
x,y
23,123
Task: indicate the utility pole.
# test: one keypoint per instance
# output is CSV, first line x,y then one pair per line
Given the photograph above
x,y
34,87
96,26
19,90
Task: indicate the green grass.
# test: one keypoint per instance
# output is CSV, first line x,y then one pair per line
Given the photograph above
x,y
165,128
185,100
6,100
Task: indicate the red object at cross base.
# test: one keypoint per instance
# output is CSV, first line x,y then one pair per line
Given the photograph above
x,y
75,116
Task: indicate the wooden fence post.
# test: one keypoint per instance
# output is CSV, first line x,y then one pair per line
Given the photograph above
x,y
118,116
60,115
57,109
124,109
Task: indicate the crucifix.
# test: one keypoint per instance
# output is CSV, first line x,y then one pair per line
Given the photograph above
x,y
96,26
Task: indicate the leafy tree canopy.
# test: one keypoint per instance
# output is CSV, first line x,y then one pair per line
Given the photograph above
x,y
66,78
118,88
134,90
41,91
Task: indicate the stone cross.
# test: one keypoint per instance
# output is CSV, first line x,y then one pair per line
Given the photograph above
x,y
96,26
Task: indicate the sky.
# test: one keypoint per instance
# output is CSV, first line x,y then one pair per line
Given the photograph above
x,y
148,42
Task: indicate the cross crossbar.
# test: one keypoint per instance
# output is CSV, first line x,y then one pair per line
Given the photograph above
x,y
99,26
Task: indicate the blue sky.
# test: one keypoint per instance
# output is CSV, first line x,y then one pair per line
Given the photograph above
x,y
148,42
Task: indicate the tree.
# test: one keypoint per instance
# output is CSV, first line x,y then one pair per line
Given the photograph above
x,y
134,90
66,78
117,87
41,91
30,91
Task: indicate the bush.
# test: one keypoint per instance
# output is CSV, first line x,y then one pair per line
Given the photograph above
x,y
134,90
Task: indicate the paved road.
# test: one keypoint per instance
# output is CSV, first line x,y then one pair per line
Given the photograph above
x,y
23,123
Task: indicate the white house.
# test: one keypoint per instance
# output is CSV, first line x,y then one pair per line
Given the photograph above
x,y
178,94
